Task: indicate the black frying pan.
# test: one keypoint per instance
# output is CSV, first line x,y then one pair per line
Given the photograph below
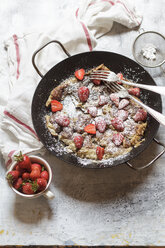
x,y
88,60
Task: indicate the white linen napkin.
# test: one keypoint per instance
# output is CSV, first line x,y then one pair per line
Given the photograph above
x,y
78,33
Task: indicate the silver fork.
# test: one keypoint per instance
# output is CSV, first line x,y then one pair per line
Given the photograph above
x,y
123,93
110,76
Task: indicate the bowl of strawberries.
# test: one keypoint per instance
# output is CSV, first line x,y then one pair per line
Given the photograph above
x,y
30,176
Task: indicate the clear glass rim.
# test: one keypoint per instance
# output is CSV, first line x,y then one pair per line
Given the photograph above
x,y
133,49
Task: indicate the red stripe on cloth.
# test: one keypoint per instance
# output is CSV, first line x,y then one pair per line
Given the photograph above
x,y
109,1
10,159
86,32
20,122
17,54
129,11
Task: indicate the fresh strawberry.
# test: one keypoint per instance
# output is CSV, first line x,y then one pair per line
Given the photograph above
x,y
122,114
91,128
114,98
96,81
83,93
92,111
117,139
27,189
36,165
62,120
42,183
56,106
134,91
100,124
25,176
103,100
12,176
23,161
99,152
120,76
123,103
78,140
79,74
21,171
35,173
45,175
117,124
18,183
141,115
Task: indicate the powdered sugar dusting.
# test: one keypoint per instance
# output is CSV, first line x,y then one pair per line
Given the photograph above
x,y
101,164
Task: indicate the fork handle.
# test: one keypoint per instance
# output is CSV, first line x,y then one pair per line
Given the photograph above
x,y
157,89
158,116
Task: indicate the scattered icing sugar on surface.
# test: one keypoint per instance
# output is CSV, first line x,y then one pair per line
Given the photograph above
x,y
149,51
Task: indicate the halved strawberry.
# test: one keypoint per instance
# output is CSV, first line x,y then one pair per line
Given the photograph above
x,y
103,100
141,115
62,120
91,128
100,124
122,114
123,103
134,91
78,140
79,74
92,111
99,152
117,124
117,139
56,106
114,98
83,93
120,76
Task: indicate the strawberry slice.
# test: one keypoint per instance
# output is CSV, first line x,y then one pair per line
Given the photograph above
x,y
79,74
117,139
134,91
99,152
56,106
83,93
96,81
117,124
141,115
91,128
78,140
123,103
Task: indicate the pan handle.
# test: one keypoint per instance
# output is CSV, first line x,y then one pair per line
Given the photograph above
x,y
152,161
38,50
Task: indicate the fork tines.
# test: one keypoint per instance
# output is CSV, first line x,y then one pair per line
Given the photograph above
x,y
100,74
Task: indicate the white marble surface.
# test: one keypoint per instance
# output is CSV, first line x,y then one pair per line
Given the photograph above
x,y
92,207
